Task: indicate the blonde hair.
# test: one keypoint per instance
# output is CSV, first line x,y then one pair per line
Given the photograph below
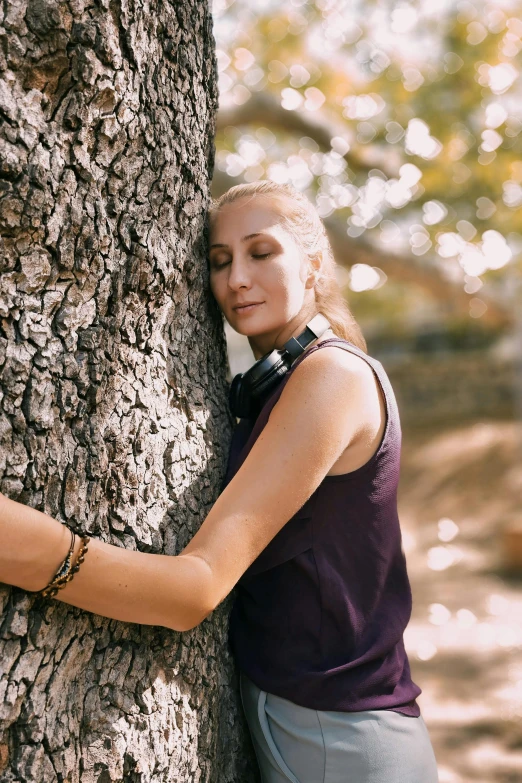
x,y
302,220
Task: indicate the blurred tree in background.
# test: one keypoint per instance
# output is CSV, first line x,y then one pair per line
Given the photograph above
x,y
403,123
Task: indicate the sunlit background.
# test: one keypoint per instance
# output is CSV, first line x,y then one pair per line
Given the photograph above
x,y
402,122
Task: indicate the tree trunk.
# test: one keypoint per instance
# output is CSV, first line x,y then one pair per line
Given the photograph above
x,y
113,395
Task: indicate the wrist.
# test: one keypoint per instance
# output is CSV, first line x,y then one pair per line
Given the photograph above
x,y
68,567
44,571
33,545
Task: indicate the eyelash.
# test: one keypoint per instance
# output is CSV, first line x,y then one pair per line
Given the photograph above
x,y
263,255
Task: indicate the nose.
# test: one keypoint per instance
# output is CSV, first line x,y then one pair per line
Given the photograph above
x,y
239,274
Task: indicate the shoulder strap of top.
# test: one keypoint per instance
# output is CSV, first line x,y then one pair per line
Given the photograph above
x,y
342,343
393,424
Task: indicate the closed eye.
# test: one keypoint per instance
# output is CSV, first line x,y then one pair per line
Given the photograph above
x,y
220,266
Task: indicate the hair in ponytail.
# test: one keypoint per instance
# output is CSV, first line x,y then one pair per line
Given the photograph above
x,y
301,219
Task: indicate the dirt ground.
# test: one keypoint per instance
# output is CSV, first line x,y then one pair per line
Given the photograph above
x,y
460,487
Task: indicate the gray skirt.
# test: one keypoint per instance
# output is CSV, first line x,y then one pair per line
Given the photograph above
x,y
302,745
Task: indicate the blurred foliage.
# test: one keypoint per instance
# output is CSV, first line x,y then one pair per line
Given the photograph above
x,y
424,105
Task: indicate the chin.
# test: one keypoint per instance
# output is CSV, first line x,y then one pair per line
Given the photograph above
x,y
247,326
248,331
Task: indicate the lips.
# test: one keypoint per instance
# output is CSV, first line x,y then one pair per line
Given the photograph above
x,y
246,306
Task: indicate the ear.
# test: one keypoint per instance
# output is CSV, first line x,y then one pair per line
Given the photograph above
x,y
314,270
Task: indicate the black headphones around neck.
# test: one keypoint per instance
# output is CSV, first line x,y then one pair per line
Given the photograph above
x,y
249,389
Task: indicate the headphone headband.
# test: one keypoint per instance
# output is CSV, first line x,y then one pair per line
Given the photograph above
x,y
248,389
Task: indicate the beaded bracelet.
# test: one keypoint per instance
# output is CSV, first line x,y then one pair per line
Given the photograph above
x,y
66,571
66,565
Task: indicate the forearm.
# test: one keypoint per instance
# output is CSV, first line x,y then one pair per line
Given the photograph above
x,y
32,545
137,587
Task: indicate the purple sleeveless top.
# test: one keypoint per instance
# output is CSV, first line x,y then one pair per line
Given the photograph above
x,y
319,616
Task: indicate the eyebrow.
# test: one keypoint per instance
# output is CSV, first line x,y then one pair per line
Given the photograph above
x,y
244,239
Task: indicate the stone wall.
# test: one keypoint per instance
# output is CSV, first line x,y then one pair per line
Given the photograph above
x,y
454,386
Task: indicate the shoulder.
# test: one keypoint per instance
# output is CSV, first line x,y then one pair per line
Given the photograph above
x,y
331,364
330,390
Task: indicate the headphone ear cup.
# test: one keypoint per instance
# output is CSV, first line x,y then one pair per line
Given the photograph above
x,y
246,395
265,383
239,399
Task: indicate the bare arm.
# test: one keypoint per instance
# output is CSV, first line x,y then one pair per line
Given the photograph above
x,y
323,407
136,587
317,416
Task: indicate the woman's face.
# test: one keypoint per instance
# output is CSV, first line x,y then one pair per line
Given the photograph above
x,y
252,258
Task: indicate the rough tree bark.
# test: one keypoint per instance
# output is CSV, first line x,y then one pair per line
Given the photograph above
x,y
113,407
